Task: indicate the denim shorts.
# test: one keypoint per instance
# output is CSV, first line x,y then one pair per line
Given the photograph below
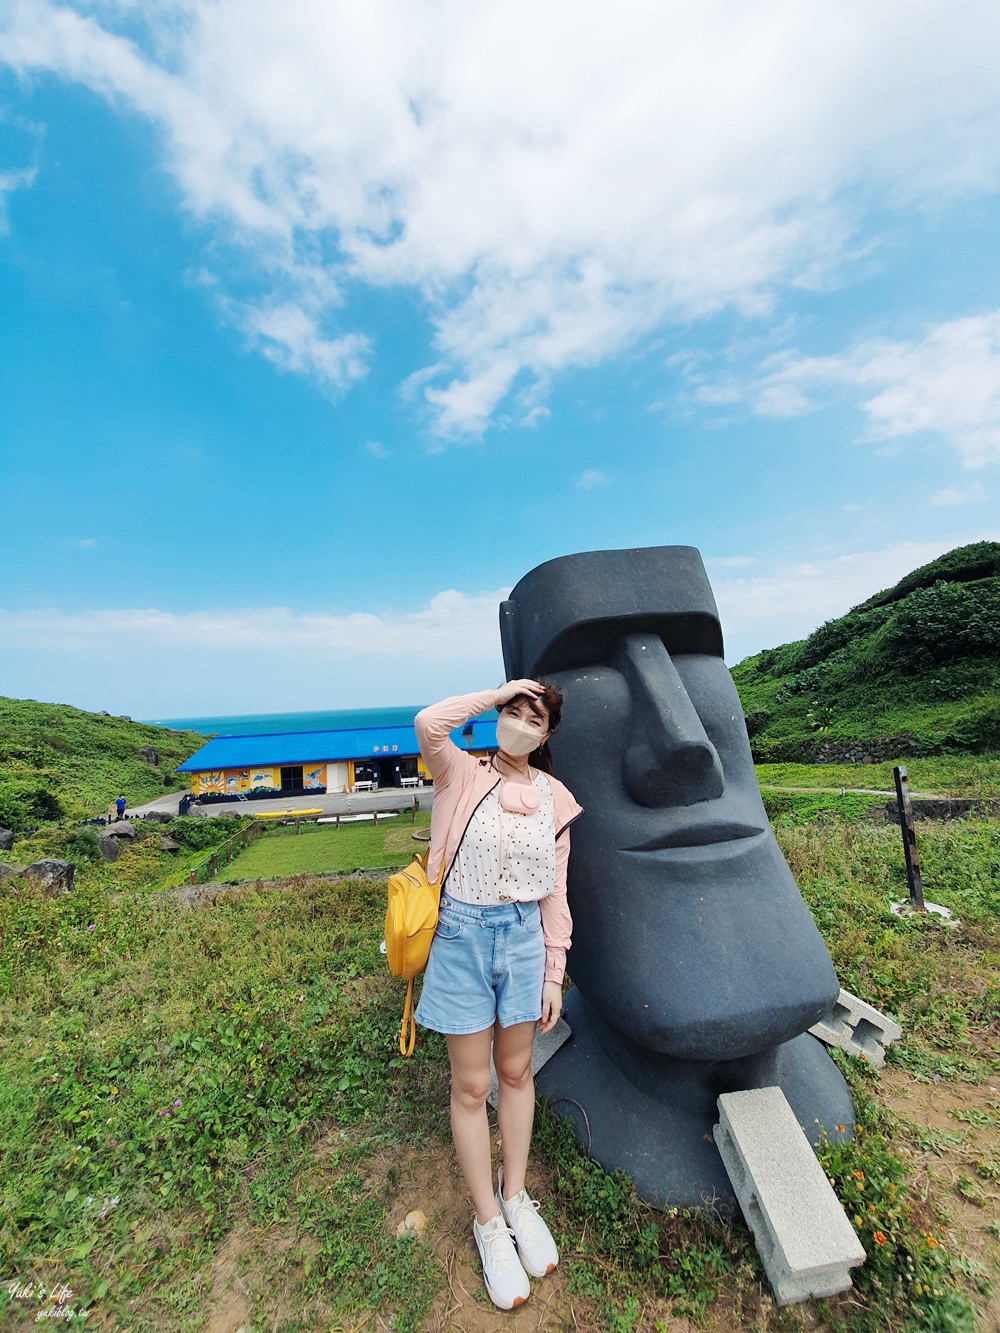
x,y
485,963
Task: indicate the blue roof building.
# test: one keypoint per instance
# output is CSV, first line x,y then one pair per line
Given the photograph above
x,y
317,761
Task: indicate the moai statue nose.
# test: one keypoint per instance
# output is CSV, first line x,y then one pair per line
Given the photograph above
x,y
669,759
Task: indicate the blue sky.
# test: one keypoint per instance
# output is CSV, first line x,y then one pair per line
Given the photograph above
x,y
322,324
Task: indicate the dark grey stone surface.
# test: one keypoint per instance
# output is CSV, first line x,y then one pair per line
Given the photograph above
x,y
696,963
54,875
6,839
109,848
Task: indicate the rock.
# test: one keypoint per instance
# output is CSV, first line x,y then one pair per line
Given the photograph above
x,y
104,713
121,829
54,876
109,848
159,816
167,844
413,1224
124,717
6,839
8,872
150,756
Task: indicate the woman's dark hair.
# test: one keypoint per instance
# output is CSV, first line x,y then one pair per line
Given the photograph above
x,y
552,698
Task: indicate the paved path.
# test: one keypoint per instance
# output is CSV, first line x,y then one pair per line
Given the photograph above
x,y
331,803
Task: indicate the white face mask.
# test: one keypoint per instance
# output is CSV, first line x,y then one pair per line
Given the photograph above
x,y
517,738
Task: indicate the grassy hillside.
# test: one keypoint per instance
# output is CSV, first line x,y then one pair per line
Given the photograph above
x,y
57,761
918,664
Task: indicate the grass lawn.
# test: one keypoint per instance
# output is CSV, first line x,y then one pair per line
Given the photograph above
x,y
205,1121
941,775
313,849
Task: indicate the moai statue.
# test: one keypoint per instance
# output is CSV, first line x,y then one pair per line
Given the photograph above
x,y
696,965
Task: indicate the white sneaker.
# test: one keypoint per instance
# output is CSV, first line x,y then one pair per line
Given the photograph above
x,y
535,1247
506,1281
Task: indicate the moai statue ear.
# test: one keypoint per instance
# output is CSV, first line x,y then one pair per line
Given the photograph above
x,y
510,639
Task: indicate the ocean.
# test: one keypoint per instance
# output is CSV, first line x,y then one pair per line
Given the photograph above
x,y
261,724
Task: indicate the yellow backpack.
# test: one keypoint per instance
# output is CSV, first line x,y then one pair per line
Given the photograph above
x,y
410,921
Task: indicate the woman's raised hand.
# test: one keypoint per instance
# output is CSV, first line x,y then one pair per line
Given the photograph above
x,y
515,687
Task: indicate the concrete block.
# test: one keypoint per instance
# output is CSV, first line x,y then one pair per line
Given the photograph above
x,y
545,1046
803,1236
856,1027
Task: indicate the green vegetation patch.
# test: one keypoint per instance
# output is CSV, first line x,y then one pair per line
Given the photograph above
x,y
916,667
57,761
304,848
176,1081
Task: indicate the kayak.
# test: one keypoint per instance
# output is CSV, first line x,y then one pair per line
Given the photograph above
x,y
286,814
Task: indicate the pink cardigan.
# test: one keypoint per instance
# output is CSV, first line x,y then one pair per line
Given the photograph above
x,y
460,783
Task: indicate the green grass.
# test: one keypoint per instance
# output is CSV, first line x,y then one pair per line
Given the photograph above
x,y
170,1078
327,848
914,666
60,761
940,775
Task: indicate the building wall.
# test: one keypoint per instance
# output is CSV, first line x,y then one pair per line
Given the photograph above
x,y
335,775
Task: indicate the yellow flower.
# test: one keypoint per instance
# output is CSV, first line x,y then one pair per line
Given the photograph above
x,y
858,1221
932,1242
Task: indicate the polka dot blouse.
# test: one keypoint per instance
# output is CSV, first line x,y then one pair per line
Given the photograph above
x,y
507,857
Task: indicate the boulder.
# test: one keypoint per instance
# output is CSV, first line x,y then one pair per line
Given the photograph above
x,y
168,844
6,839
160,816
109,848
150,756
121,829
8,872
124,717
54,876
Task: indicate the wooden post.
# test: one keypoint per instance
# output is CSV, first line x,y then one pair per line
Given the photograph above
x,y
298,827
413,812
375,816
910,853
193,875
213,863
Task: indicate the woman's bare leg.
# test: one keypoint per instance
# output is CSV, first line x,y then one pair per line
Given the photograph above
x,y
470,1082
516,1101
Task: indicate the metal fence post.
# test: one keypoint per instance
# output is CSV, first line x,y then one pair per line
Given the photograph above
x,y
910,853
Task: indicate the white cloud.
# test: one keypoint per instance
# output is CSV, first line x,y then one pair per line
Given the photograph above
x,y
377,450
153,663
591,478
452,622
9,182
952,495
790,601
86,543
553,182
946,382
729,561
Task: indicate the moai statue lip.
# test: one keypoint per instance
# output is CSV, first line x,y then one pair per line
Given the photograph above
x,y
691,941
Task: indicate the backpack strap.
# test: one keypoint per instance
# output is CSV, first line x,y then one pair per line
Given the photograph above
x,y
407,1041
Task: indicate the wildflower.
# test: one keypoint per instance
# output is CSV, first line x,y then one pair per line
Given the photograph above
x,y
859,1129
841,1129
892,1189
878,1237
91,926
858,1175
858,1220
177,1102
932,1242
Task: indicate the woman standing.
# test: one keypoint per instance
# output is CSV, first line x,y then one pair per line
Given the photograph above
x,y
500,845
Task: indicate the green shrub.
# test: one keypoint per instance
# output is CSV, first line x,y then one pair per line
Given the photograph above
x,y
197,834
